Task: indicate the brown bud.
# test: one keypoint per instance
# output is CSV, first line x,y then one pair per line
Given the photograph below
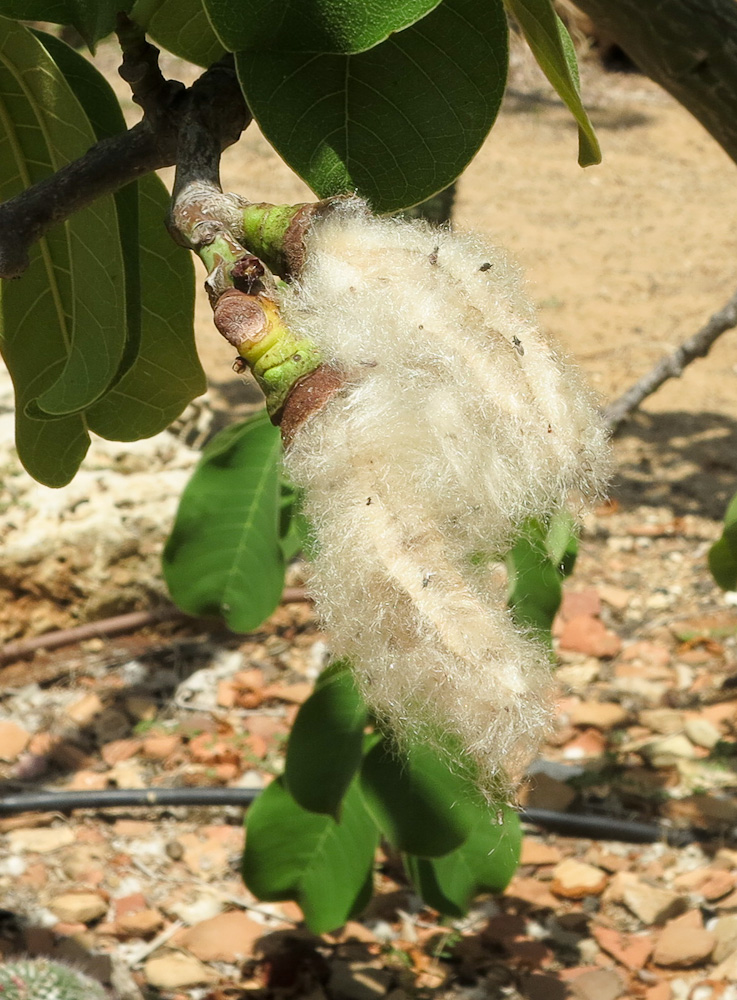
x,y
306,397
239,317
247,274
294,252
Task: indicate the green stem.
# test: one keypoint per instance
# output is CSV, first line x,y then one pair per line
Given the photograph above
x,y
279,359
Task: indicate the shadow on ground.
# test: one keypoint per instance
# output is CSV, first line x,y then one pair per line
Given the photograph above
x,y
684,461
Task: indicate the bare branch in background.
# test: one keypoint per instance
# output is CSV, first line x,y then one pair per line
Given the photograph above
x,y
672,365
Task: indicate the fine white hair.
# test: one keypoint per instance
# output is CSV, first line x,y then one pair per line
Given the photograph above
x,y
457,422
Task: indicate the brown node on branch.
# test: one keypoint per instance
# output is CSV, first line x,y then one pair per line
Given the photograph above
x,y
239,317
247,274
307,397
295,252
294,237
284,250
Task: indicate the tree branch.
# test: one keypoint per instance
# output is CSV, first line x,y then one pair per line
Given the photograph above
x,y
689,47
672,365
114,162
140,69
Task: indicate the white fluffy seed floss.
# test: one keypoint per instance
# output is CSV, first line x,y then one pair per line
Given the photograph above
x,y
457,421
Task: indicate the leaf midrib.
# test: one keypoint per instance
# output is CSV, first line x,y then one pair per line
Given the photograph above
x,y
26,178
260,486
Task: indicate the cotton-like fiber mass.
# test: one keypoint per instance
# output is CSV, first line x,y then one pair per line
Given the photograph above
x,y
457,421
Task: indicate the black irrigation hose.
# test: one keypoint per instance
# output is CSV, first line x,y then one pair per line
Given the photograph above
x,y
566,824
66,801
628,831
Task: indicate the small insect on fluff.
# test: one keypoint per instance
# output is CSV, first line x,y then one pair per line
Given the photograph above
x,y
456,422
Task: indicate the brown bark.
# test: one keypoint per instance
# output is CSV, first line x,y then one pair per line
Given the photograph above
x,y
689,47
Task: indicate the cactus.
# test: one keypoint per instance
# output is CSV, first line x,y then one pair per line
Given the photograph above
x,y
41,979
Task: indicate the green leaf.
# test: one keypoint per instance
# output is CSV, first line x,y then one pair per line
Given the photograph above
x,y
223,556
421,806
182,27
534,579
292,524
71,299
723,564
93,19
326,742
338,26
105,115
396,123
90,87
552,47
43,127
166,374
160,370
723,553
485,862
562,542
730,523
323,865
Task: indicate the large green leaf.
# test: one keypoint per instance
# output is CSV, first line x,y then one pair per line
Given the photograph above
x,y
326,742
105,116
723,553
396,123
44,127
485,862
340,26
182,27
552,47
421,806
293,526
93,19
160,370
323,865
65,318
223,556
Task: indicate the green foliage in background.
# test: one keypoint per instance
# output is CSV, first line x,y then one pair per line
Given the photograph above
x,y
312,835
723,553
98,334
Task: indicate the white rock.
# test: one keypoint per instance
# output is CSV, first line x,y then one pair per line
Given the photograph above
x,y
702,732
578,676
575,879
727,969
651,904
13,866
663,753
175,971
41,840
79,907
205,907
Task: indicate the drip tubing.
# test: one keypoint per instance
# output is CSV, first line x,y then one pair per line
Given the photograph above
x,y
566,824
